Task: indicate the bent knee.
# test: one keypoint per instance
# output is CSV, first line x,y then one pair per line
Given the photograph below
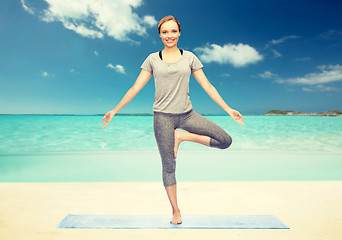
x,y
226,143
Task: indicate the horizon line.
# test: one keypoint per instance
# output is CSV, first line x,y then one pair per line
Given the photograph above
x,y
98,114
142,114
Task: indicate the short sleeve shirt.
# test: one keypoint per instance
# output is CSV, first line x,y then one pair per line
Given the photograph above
x,y
172,81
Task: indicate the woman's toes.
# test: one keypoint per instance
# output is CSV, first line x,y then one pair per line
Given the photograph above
x,y
176,219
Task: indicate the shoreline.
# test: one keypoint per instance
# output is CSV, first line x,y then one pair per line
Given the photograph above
x,y
330,113
145,166
119,114
215,115
204,151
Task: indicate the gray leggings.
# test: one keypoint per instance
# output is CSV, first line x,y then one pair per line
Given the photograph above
x,y
164,125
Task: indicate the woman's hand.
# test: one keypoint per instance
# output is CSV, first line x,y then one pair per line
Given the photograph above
x,y
107,118
236,116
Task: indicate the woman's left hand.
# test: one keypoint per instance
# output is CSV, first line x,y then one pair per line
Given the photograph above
x,y
236,116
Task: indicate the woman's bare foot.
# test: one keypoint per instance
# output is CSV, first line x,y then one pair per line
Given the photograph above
x,y
176,219
178,140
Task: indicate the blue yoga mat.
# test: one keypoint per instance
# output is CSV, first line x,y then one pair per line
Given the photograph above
x,y
163,221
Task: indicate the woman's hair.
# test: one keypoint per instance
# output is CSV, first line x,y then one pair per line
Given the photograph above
x,y
166,19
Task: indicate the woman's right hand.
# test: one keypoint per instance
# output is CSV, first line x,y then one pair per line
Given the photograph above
x,y
107,118
236,116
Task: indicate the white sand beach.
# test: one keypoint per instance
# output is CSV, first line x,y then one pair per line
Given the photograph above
x,y
312,209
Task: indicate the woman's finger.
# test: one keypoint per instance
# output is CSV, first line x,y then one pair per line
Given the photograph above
x,y
241,122
240,118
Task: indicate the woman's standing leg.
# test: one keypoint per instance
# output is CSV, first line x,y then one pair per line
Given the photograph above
x,y
164,127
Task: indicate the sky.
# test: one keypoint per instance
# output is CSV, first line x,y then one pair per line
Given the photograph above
x,y
81,57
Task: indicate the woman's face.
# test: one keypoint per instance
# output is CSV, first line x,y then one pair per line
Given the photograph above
x,y
169,33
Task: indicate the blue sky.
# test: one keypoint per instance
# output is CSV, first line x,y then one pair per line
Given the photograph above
x,y
80,57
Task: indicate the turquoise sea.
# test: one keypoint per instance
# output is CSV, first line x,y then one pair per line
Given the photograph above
x,y
75,148
41,133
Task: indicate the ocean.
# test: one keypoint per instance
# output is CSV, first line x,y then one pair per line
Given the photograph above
x,y
43,133
40,148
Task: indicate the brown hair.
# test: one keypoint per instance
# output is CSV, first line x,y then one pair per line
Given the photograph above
x,y
166,19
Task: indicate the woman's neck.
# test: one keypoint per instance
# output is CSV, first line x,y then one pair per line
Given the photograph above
x,y
171,50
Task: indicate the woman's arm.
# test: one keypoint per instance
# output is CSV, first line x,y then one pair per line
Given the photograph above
x,y
141,81
212,92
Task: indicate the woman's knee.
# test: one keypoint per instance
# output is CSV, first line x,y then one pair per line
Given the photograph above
x,y
226,142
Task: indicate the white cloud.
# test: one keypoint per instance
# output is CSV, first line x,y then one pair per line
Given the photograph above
x,y
74,71
320,88
274,42
118,68
281,40
46,74
26,8
83,30
327,74
97,18
96,53
334,34
276,53
303,59
268,75
238,55
150,20
314,82
226,75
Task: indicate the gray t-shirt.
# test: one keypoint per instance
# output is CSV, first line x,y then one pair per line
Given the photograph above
x,y
172,81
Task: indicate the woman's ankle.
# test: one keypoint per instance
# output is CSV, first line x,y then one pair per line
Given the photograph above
x,y
176,211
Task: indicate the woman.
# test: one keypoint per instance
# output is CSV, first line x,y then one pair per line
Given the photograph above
x,y
172,107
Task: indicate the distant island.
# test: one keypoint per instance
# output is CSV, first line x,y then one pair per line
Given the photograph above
x,y
294,113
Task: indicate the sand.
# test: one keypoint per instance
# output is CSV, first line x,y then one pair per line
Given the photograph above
x,y
312,209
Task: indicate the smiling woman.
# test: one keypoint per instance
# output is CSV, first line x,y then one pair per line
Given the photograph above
x,y
169,34
172,68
